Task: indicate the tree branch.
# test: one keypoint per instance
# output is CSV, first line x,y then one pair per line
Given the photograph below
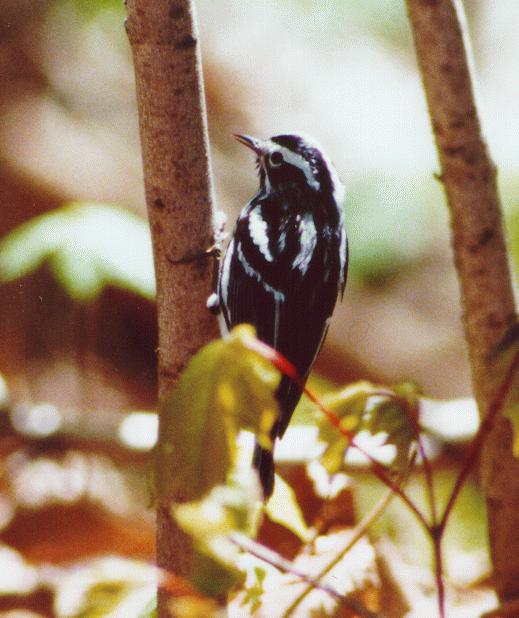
x,y
179,197
285,566
480,255
358,532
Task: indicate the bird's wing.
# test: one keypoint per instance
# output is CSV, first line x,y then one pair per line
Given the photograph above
x,y
289,307
245,296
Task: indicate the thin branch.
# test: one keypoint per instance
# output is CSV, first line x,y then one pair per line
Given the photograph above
x,y
274,559
437,532
359,531
288,369
428,472
495,407
438,570
412,416
469,179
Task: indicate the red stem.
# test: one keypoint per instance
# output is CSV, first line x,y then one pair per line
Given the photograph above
x,y
413,416
495,406
438,564
288,369
435,530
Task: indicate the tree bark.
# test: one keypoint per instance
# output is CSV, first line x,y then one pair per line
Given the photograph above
x,y
469,179
179,197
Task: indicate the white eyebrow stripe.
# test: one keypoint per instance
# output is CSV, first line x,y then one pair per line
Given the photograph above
x,y
339,192
301,163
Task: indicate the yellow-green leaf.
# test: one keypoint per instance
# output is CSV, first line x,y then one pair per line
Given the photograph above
x,y
106,586
211,521
366,406
333,457
349,404
388,417
226,387
86,246
284,509
194,607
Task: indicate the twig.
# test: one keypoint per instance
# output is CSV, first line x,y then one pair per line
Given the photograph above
x,y
434,530
288,369
495,407
359,531
274,559
428,473
412,416
437,538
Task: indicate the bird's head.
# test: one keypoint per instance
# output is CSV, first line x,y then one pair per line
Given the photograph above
x,y
294,163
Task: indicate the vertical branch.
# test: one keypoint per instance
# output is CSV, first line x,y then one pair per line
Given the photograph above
x,y
480,255
179,198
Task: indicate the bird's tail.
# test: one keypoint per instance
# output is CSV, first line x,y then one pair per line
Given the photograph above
x,y
263,461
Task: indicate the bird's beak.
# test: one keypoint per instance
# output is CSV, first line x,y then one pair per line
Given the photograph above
x,y
254,144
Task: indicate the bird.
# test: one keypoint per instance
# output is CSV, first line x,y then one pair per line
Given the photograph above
x,y
286,264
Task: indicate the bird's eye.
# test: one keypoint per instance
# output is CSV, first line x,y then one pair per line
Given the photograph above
x,y
275,158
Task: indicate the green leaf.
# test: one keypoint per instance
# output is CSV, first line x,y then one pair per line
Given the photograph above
x,y
195,607
254,594
349,404
226,510
377,409
396,415
86,246
226,387
305,412
103,598
410,393
333,457
105,587
92,8
389,417
284,509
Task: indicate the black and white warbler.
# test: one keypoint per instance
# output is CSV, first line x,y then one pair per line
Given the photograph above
x,y
286,263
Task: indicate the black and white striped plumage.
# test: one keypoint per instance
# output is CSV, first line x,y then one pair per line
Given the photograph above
x,y
286,263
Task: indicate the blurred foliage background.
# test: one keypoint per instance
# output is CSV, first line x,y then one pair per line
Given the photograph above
x,y
342,71
77,331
